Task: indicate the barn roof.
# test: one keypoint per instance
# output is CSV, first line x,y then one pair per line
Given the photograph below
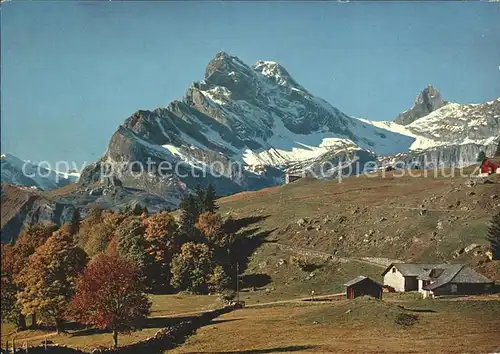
x,y
410,269
436,271
360,279
457,273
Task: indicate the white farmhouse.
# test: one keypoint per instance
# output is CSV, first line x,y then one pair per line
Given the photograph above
x,y
403,276
436,279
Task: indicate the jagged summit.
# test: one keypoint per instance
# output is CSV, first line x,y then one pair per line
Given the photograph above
x,y
225,64
260,118
277,73
426,102
231,72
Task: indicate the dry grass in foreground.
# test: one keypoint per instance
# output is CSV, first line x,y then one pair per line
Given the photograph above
x,y
163,309
359,326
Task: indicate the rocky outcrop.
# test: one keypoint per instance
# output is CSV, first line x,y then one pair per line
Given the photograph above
x,y
22,207
426,102
446,156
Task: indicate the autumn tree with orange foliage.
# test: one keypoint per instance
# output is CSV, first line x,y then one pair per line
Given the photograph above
x,y
102,233
26,244
213,228
47,280
109,295
162,241
221,241
97,230
93,217
8,291
14,260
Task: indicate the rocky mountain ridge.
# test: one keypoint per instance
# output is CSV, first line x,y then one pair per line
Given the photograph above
x,y
251,123
260,118
30,174
425,103
243,127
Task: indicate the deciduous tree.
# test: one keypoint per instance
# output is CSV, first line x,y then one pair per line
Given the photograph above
x,y
211,226
47,281
10,311
192,267
162,242
131,242
101,232
109,295
93,218
14,260
8,298
218,280
30,239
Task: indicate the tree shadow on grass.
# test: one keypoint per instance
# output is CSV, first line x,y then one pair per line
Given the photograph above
x,y
162,322
235,225
255,280
245,245
289,349
416,310
155,322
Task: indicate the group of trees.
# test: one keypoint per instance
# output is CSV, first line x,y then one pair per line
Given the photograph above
x,y
203,262
96,271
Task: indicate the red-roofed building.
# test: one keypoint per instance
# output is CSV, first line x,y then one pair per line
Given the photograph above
x,y
488,167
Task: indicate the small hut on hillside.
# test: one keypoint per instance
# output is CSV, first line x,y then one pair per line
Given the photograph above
x,y
292,177
489,167
361,286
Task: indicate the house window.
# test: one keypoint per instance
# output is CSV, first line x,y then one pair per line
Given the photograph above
x,y
453,288
394,270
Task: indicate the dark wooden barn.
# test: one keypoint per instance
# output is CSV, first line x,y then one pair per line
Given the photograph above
x,y
362,286
289,178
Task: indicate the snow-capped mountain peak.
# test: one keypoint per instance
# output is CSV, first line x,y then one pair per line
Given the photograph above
x,y
261,118
277,73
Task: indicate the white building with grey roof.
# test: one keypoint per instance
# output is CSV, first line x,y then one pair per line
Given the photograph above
x,y
436,279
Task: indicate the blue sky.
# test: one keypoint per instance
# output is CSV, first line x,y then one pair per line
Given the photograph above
x,y
73,71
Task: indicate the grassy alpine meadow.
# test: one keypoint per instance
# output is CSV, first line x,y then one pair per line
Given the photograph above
x,y
165,310
362,325
401,323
